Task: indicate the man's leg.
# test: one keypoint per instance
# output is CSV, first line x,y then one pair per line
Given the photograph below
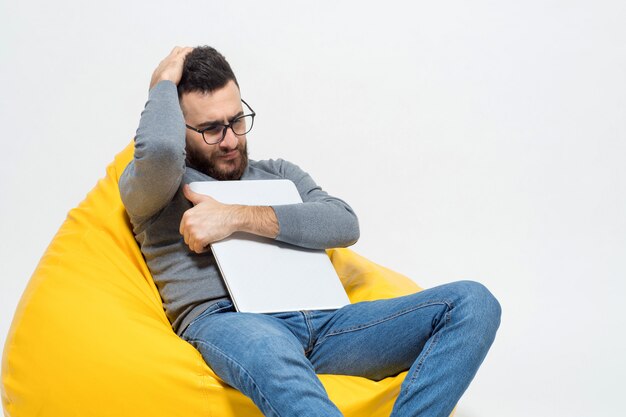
x,y
259,356
441,335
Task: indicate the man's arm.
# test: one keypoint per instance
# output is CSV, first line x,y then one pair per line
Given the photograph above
x,y
153,176
320,222
210,221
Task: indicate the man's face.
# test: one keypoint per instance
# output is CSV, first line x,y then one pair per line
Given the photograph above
x,y
228,159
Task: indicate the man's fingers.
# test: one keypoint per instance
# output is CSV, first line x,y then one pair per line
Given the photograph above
x,y
185,50
185,233
192,241
199,247
182,227
196,245
204,223
194,197
190,195
179,53
171,67
179,50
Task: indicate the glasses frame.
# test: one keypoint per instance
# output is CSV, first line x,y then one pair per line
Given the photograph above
x,y
225,127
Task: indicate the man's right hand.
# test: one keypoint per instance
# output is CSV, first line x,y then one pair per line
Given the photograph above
x,y
171,68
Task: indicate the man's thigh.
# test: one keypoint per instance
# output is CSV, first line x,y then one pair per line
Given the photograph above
x,y
261,357
380,338
233,343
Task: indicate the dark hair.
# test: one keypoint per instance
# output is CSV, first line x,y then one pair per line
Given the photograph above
x,y
205,70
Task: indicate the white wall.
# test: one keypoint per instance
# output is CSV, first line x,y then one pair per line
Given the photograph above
x,y
481,140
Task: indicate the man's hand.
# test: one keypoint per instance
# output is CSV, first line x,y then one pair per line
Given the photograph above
x,y
207,222
210,221
171,68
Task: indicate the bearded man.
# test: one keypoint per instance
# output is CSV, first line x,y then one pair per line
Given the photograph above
x,y
194,128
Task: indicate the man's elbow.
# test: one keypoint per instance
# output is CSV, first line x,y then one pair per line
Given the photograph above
x,y
351,232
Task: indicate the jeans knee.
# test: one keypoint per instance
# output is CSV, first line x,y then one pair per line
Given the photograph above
x,y
481,303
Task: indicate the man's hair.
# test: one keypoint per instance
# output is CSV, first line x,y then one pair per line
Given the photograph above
x,y
205,70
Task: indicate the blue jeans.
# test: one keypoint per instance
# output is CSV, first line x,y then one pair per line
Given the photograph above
x,y
441,335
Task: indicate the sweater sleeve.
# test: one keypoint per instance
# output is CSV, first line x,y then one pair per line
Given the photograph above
x,y
321,221
151,179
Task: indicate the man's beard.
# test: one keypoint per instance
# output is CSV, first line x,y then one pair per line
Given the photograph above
x,y
208,166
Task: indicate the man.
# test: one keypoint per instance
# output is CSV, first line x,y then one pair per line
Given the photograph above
x,y
194,128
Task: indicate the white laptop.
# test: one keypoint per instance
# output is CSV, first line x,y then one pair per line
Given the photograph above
x,y
264,275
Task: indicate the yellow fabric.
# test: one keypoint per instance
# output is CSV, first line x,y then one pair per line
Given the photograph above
x,y
90,337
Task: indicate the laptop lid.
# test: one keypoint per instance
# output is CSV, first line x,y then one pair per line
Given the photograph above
x,y
264,275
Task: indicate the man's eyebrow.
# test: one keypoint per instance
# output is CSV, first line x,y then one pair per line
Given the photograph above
x,y
218,122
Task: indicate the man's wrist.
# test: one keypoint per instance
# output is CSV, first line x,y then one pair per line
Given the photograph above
x,y
258,220
238,217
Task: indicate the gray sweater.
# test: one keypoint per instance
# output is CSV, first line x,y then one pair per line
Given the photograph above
x,y
151,189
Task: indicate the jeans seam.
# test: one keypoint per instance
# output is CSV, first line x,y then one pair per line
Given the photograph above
x,y
432,345
241,367
309,326
396,315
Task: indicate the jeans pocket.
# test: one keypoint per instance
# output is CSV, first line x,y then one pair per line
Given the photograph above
x,y
214,308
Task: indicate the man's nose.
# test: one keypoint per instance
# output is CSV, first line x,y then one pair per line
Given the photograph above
x,y
230,140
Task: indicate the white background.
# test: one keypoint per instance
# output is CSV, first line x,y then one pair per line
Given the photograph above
x,y
476,140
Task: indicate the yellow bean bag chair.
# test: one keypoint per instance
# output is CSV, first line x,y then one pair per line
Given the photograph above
x,y
90,337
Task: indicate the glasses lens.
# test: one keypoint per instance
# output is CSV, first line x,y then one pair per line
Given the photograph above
x,y
243,125
213,134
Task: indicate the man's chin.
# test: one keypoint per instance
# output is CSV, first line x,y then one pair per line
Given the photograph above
x,y
230,171
219,169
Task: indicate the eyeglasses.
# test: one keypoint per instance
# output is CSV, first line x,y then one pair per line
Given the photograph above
x,y
215,133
